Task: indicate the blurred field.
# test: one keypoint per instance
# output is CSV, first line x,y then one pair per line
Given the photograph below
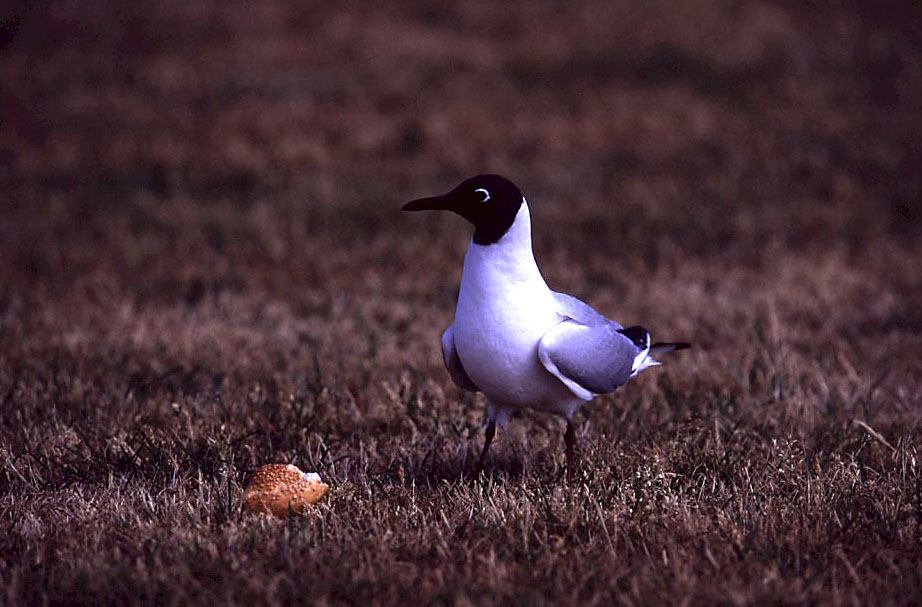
x,y
204,269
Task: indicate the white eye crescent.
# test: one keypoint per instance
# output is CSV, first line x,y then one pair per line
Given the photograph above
x,y
486,194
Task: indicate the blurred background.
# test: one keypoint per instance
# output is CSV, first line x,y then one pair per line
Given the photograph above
x,y
234,133
203,265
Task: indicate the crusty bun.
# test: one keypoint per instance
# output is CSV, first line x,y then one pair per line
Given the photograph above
x,y
282,489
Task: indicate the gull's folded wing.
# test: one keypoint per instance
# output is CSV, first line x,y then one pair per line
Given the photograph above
x,y
571,307
589,360
453,363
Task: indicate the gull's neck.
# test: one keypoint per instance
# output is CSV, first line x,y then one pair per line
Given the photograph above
x,y
510,258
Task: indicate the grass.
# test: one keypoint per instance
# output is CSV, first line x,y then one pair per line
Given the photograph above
x,y
204,270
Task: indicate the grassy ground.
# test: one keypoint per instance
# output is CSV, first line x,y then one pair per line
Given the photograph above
x,y
204,269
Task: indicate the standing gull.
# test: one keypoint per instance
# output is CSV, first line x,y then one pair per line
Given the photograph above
x,y
515,340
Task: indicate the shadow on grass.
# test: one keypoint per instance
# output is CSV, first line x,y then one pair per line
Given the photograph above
x,y
429,469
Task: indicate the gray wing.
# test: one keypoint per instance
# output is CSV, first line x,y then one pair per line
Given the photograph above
x,y
453,363
589,359
571,307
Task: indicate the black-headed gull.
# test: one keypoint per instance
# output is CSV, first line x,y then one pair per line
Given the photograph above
x,y
514,339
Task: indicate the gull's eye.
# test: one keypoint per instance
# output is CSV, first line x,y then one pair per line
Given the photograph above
x,y
484,193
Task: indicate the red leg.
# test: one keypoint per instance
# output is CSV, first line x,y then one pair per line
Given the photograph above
x,y
491,431
569,438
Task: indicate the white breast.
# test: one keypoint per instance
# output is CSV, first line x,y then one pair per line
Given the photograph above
x,y
504,308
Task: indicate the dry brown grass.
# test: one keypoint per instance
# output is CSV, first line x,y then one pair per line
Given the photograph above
x,y
204,269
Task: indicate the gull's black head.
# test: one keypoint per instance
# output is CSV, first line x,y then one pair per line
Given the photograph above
x,y
490,202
